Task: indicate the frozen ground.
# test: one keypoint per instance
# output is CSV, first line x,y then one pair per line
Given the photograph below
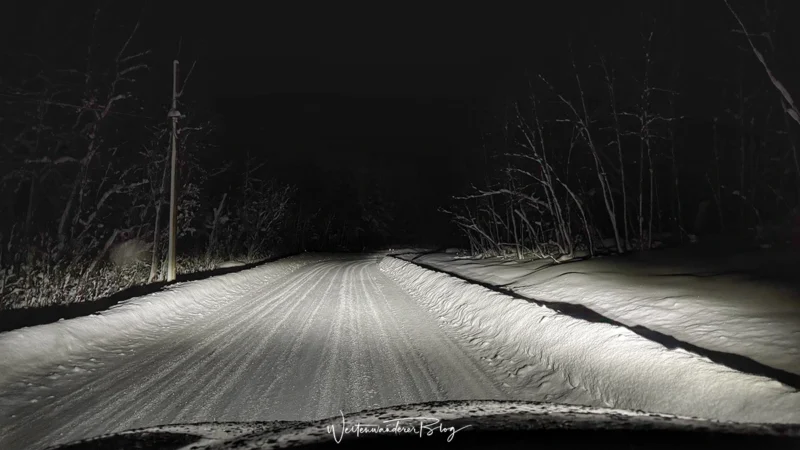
x,y
306,337
301,338
745,302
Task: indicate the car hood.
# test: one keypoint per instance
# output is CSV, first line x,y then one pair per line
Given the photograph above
x,y
464,424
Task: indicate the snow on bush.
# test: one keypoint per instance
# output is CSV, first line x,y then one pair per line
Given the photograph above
x,y
38,286
610,366
230,264
27,349
129,252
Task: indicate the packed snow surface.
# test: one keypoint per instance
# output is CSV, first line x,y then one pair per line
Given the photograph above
x,y
298,339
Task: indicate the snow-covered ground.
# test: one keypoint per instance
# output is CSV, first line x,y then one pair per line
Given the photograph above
x,y
302,338
742,303
307,337
548,356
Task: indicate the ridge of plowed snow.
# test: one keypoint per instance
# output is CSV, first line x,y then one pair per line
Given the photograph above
x,y
611,365
741,303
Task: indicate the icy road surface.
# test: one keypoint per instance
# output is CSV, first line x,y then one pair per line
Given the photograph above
x,y
330,334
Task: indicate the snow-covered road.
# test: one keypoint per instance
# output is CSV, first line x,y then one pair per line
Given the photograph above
x,y
333,334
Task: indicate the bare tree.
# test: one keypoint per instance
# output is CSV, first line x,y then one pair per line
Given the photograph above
x,y
583,122
97,106
610,81
787,102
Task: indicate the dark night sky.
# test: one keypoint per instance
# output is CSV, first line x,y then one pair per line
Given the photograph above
x,y
412,51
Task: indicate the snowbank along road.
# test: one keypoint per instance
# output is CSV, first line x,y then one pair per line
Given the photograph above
x,y
298,339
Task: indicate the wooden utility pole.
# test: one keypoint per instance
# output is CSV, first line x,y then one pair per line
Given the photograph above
x,y
173,190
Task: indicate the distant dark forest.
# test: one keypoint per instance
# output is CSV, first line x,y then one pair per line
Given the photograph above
x,y
679,124
603,131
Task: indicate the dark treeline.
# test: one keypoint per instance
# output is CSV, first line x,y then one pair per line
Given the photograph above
x,y
85,160
671,128
668,127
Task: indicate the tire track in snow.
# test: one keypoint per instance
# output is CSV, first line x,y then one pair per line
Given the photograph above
x,y
411,385
243,363
220,342
322,386
174,378
288,351
407,351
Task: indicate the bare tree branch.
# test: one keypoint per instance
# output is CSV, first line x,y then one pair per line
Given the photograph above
x,y
787,100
